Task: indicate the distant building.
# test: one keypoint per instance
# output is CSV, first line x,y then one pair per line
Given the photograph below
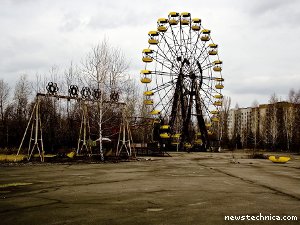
x,y
266,123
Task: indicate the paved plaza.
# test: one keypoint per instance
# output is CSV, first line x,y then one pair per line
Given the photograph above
x,y
187,188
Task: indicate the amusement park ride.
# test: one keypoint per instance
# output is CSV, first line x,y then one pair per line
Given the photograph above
x,y
183,92
86,97
183,79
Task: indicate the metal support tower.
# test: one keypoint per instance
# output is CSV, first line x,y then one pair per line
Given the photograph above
x,y
36,135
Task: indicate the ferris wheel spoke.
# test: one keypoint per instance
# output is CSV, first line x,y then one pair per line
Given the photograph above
x,y
162,86
173,54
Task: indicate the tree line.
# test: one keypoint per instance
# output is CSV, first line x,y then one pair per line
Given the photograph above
x,y
274,126
104,70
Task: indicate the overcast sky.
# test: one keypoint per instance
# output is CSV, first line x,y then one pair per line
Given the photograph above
x,y
258,39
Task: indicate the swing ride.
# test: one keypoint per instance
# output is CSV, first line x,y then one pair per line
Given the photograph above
x,y
86,98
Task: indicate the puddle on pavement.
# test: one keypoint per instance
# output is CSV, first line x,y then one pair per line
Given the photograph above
x,y
13,185
154,209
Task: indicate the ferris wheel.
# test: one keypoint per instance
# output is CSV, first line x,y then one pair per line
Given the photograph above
x,y
183,81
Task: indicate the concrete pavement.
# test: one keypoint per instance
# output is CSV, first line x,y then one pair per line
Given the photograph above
x,y
195,188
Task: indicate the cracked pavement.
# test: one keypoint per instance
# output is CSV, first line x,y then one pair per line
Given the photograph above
x,y
194,188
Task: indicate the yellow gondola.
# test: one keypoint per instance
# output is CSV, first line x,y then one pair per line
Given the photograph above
x,y
213,52
217,62
281,159
146,80
155,112
146,72
148,93
219,86
220,79
147,59
176,135
187,145
219,96
185,18
215,119
165,127
217,103
217,68
153,35
196,24
148,102
165,135
214,112
198,142
173,18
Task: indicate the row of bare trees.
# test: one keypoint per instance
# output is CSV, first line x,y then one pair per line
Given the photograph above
x,y
104,69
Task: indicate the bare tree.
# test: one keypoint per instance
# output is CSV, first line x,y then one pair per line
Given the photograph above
x,y
4,97
255,122
103,67
289,123
273,120
224,119
294,97
21,96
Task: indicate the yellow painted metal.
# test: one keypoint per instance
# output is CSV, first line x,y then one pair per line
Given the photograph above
x,y
213,45
219,79
208,125
147,59
195,27
185,22
175,143
206,31
196,20
173,22
210,132
148,102
215,119
217,68
162,20
153,41
145,72
147,51
12,158
198,134
217,103
185,14
198,142
187,145
155,112
148,93
153,33
176,135
214,112
165,135
216,62
173,14
212,52
146,80
162,28
205,38
281,159
219,86
165,127
71,154
14,184
219,96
